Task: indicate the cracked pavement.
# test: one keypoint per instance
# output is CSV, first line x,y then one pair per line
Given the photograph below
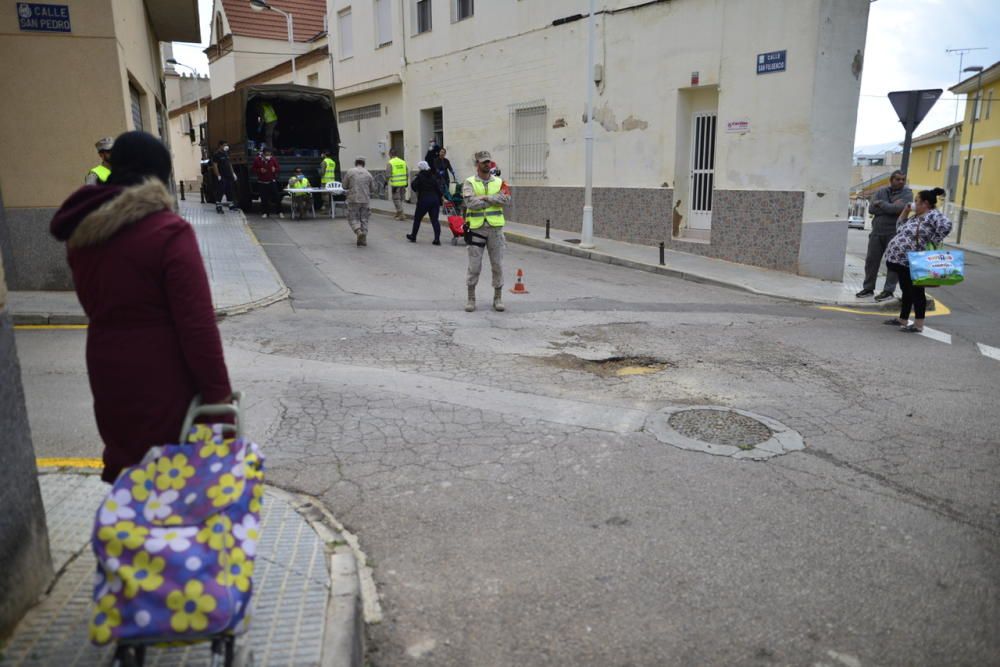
x,y
514,510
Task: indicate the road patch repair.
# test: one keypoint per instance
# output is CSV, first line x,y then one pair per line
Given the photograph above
x,y
722,431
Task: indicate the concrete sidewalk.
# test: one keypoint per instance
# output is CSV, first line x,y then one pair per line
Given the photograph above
x,y
306,607
694,267
240,275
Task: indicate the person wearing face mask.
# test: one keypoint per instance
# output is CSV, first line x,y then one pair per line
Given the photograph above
x,y
101,172
484,196
927,226
225,177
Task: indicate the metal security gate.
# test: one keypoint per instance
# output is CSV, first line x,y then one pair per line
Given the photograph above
x,y
135,99
702,169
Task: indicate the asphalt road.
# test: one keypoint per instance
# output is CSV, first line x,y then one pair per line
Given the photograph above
x,y
516,511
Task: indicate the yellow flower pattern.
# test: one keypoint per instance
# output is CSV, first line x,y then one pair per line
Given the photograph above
x,y
217,533
143,481
236,570
173,472
122,534
105,619
190,607
142,574
226,491
255,501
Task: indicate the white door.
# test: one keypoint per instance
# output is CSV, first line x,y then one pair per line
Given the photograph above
x,y
702,169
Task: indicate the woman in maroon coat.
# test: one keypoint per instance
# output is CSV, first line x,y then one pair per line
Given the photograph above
x,y
152,343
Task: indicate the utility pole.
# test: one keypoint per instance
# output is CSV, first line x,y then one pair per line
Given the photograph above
x,y
587,232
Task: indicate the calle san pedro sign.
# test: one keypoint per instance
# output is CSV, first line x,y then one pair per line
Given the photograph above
x,y
33,17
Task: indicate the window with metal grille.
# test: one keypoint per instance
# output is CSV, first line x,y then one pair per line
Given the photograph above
x,y
461,9
528,148
423,16
135,98
439,126
383,23
360,113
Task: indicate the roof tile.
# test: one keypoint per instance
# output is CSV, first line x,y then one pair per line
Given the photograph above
x,y
307,19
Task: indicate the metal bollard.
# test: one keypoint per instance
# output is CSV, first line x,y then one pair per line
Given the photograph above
x,y
546,228
662,253
182,190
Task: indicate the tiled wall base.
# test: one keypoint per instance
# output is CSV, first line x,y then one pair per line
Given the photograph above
x,y
36,260
25,566
756,227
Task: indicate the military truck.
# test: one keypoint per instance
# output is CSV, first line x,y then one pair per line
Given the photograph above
x,y
307,125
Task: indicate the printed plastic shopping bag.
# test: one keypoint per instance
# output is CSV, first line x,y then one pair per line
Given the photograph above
x,y
930,268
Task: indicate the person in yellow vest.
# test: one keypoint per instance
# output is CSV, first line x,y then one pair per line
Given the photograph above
x,y
300,201
327,174
100,173
269,120
398,176
484,196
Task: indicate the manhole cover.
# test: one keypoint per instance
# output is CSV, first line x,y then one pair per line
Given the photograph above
x,y
720,427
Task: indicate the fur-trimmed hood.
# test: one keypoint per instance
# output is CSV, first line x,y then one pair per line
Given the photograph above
x,y
95,213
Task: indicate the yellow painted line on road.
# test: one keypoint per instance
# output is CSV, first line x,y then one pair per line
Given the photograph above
x,y
69,463
939,309
42,327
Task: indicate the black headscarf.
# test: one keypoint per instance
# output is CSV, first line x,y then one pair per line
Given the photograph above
x,y
137,156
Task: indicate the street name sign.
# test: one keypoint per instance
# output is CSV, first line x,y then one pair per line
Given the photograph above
x,y
33,17
773,61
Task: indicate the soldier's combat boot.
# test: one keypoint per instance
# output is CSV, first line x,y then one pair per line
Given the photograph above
x,y
498,299
470,305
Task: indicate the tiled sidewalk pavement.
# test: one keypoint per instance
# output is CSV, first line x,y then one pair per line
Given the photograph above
x,y
239,272
291,587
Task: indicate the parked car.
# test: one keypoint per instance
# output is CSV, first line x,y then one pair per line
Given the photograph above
x,y
855,222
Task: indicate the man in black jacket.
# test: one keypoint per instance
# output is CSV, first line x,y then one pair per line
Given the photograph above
x,y
887,204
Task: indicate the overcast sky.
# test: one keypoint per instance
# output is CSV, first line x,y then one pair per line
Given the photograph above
x,y
905,50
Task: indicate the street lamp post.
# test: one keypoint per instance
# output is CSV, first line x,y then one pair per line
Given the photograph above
x,y
587,231
968,160
260,6
197,92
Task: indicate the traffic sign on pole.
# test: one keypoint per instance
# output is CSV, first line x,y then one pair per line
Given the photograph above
x,y
911,106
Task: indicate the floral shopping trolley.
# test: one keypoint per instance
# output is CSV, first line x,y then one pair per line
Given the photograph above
x,y
175,541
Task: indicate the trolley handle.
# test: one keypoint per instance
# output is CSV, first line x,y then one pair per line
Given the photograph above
x,y
198,409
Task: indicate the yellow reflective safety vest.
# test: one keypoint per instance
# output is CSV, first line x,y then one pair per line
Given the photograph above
x,y
299,184
102,173
329,174
399,173
493,214
269,115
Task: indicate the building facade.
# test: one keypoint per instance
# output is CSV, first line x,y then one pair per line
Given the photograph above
x,y
982,203
738,116
934,160
96,72
187,114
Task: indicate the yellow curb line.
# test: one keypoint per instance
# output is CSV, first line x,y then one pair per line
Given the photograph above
x,y
39,327
69,463
939,309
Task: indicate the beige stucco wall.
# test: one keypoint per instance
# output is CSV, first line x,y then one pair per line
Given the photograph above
x,y
139,60
59,99
362,137
68,90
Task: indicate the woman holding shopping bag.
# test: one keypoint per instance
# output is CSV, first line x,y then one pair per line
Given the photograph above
x,y
928,226
152,343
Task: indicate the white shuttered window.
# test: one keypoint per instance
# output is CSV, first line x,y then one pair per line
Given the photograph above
x,y
383,23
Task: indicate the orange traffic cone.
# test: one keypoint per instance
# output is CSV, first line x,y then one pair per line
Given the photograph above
x,y
519,287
